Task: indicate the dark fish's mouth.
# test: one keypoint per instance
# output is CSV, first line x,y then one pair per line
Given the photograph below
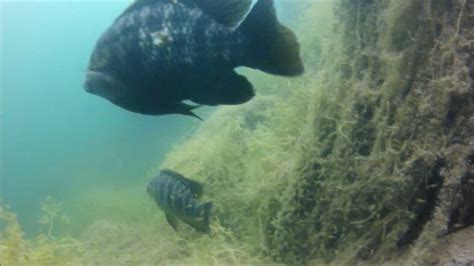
x,y
88,80
87,88
104,85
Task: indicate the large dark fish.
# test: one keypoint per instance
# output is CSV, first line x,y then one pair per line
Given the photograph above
x,y
159,53
177,196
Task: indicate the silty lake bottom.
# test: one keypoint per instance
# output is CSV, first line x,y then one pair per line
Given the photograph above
x,y
366,158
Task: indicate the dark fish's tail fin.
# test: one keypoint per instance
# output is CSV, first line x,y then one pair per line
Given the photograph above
x,y
273,47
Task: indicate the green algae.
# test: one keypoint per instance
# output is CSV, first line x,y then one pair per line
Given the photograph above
x,y
355,161
381,134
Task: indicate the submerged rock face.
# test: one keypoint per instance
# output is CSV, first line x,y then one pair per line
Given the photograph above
x,y
391,163
455,249
369,156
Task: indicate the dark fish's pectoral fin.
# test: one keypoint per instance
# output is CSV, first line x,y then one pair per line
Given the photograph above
x,y
228,88
186,109
196,188
172,221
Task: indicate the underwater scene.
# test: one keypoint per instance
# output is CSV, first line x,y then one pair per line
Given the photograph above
x,y
256,132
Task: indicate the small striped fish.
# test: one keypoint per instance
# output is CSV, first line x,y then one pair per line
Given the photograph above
x,y
177,196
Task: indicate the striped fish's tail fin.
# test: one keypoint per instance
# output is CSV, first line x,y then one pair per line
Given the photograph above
x,y
206,207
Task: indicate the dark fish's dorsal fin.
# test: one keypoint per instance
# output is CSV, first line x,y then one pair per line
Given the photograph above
x,y
196,188
227,12
172,221
139,4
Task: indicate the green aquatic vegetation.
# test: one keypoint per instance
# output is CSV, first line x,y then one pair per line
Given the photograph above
x,y
244,165
380,134
358,160
127,205
12,244
44,249
123,244
243,161
51,214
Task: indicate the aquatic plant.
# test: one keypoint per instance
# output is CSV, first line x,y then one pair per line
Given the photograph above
x,y
365,170
12,244
385,127
51,214
366,157
44,249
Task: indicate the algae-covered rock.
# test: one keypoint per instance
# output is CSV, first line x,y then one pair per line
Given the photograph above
x,y
369,157
392,135
376,162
